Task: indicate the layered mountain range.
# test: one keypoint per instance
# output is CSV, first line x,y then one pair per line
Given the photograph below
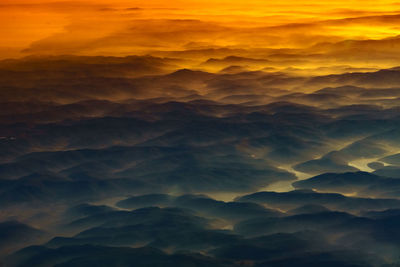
x,y
132,161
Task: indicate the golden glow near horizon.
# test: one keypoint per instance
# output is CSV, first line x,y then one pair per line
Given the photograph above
x,y
120,28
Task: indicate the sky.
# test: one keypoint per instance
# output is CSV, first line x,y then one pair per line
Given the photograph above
x,y
121,28
204,132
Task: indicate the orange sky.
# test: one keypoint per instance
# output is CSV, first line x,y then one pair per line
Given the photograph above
x,y
91,27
